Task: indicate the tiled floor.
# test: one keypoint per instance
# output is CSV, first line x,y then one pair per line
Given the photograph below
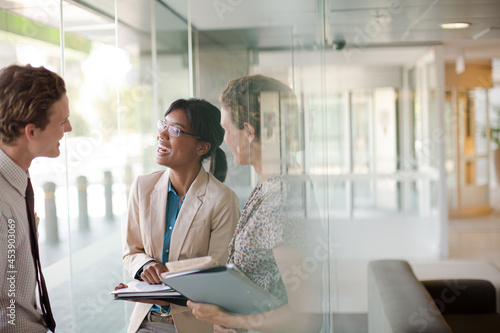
x,y
79,288
478,237
79,311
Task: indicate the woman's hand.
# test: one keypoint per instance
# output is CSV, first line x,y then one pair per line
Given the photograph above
x,y
206,312
121,286
224,322
151,272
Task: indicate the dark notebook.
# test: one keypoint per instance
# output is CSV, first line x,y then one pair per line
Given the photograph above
x,y
226,286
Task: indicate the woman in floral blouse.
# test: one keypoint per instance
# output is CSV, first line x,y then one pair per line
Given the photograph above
x,y
274,244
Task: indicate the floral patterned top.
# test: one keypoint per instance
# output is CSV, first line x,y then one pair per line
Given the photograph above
x,y
266,223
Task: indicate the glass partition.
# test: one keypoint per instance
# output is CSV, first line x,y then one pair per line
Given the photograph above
x,y
112,107
305,132
117,89
361,133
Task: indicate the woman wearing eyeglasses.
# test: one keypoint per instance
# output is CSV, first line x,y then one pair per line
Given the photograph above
x,y
179,213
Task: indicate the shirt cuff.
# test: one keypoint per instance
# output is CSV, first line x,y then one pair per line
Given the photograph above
x,y
139,272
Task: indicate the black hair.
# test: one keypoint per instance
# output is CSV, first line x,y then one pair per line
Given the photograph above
x,y
204,119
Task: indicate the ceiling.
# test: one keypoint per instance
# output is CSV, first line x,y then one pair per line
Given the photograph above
x,y
361,24
358,22
279,24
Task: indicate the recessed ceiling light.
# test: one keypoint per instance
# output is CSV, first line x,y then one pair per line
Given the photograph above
x,y
455,25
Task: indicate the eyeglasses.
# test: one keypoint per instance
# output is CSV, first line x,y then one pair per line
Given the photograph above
x,y
172,130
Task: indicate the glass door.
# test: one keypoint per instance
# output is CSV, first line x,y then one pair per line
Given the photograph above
x,y
472,168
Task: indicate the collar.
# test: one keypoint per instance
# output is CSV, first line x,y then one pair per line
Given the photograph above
x,y
170,188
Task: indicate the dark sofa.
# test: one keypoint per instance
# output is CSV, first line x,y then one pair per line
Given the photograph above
x,y
399,303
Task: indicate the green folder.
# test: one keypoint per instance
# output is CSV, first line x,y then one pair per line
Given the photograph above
x,y
226,286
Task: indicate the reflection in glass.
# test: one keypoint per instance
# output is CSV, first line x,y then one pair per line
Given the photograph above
x,y
450,122
361,113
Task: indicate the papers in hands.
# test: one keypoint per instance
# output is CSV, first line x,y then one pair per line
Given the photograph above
x,y
142,289
189,264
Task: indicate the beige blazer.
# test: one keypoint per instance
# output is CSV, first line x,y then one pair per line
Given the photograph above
x,y
204,226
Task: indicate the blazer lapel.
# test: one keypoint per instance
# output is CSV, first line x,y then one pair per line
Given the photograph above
x,y
158,206
190,206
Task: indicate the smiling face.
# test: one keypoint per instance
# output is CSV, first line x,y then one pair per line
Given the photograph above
x,y
46,141
183,152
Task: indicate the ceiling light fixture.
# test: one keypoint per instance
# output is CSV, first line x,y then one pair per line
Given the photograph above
x,y
455,25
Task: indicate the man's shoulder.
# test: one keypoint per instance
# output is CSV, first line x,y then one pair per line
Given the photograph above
x,y
6,189
12,176
11,202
